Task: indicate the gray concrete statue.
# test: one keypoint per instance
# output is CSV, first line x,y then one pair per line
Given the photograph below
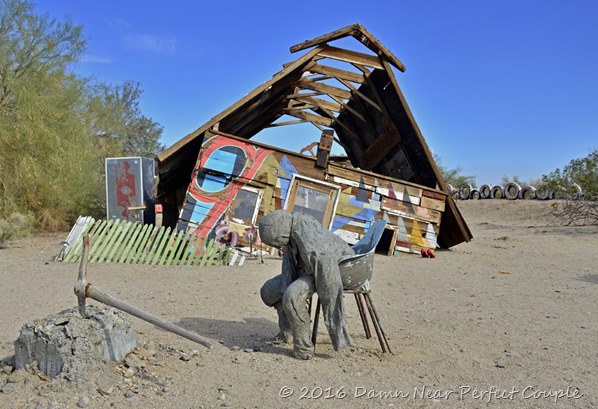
x,y
310,264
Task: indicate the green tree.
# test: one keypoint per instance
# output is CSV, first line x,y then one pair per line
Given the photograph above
x,y
32,44
118,123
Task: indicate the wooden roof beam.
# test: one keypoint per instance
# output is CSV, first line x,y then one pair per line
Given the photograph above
x,y
337,73
326,89
350,56
313,118
361,95
328,105
299,95
348,108
284,123
358,32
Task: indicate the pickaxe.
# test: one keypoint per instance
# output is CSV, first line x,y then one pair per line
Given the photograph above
x,y
84,290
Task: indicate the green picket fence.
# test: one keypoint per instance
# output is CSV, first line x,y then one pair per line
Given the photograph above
x,y
116,241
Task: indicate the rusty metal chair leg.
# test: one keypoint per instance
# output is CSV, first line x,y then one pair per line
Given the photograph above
x,y
363,315
377,325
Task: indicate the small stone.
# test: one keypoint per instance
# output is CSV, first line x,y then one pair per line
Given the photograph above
x,y
222,396
7,370
83,402
106,392
7,388
17,376
129,394
134,362
129,373
185,358
236,348
248,350
143,353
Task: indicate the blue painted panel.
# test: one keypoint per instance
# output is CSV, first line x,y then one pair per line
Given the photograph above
x,y
213,183
221,161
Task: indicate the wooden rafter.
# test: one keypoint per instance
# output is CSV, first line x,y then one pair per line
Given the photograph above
x,y
313,118
350,56
360,94
361,34
331,106
298,95
326,89
337,73
284,123
348,108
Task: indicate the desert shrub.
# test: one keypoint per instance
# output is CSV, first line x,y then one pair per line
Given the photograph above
x,y
575,208
56,127
14,226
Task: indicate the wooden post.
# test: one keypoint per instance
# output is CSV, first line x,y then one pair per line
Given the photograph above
x,y
324,148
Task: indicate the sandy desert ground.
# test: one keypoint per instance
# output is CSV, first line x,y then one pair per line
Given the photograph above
x,y
507,320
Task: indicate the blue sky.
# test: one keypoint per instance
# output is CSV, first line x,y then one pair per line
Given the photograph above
x,y
497,88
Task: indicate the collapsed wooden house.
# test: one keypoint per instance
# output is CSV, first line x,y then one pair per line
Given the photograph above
x,y
217,180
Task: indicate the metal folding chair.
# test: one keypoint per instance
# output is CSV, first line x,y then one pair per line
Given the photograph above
x,y
356,272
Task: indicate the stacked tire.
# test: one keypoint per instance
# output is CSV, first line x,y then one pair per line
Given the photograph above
x,y
514,191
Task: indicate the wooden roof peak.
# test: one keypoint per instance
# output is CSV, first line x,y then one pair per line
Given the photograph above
x,y
361,34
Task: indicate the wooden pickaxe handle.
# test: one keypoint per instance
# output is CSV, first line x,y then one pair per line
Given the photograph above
x,y
84,290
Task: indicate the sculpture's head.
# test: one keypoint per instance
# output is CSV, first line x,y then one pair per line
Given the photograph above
x,y
275,228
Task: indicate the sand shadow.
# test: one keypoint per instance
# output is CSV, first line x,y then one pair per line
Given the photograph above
x,y
589,278
252,333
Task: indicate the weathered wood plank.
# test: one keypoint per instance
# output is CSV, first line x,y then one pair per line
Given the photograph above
x,y
361,34
434,204
174,247
338,73
195,250
382,145
208,254
160,250
351,56
326,89
141,244
96,249
182,247
130,243
152,246
123,231
310,117
410,210
111,241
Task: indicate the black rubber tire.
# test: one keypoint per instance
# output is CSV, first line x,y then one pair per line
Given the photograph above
x,y
465,191
544,193
497,190
530,191
509,194
485,191
475,194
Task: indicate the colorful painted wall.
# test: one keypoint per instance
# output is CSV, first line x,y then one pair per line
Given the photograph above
x,y
226,165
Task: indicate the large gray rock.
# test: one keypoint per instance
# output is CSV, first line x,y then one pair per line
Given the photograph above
x,y
66,343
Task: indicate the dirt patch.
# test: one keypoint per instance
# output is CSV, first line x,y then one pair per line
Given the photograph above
x,y
463,332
